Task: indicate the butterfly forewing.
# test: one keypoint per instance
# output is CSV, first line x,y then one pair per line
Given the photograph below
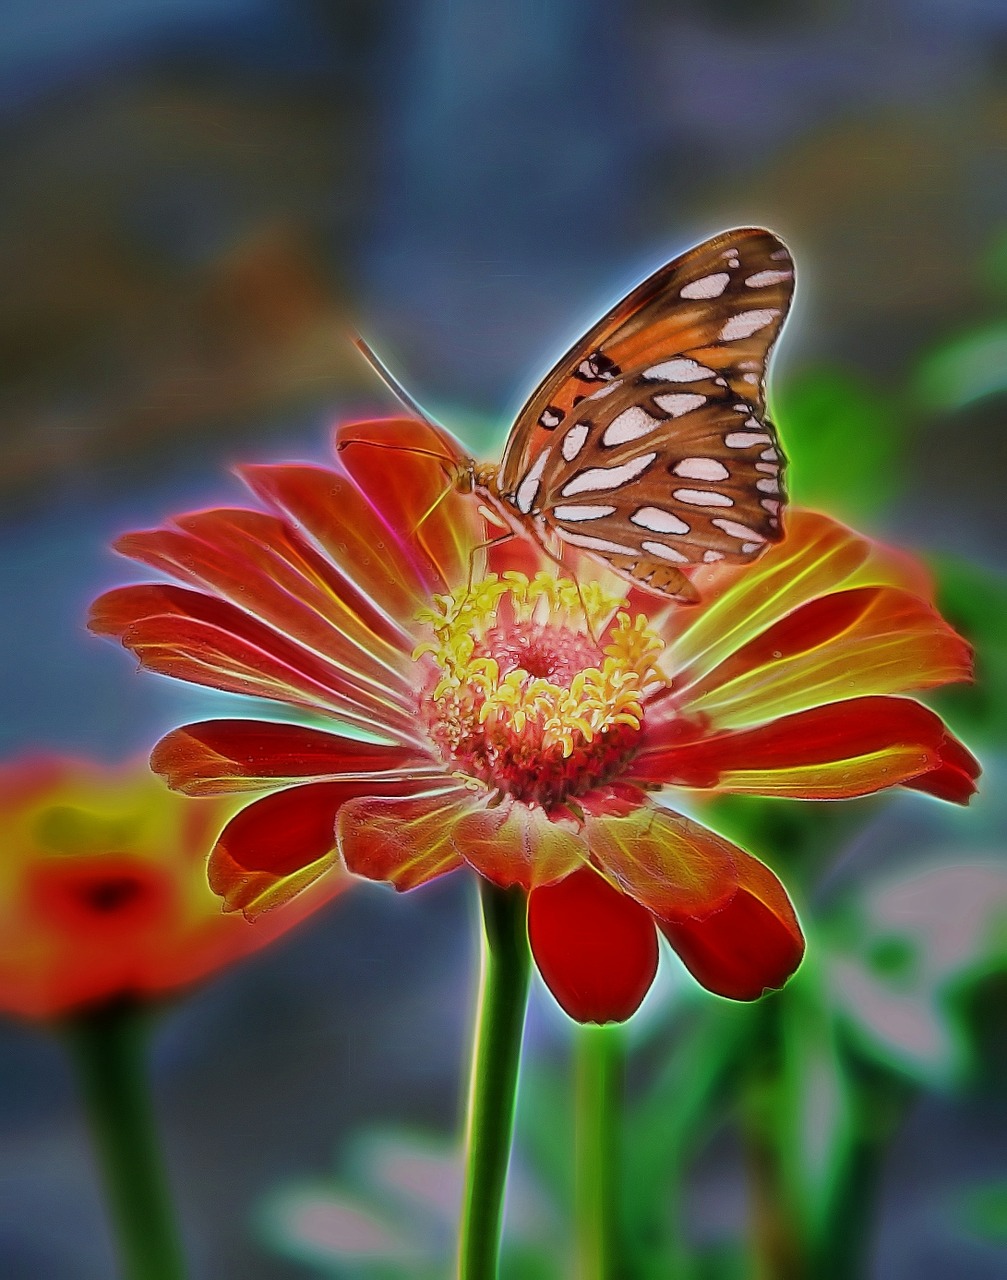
x,y
648,443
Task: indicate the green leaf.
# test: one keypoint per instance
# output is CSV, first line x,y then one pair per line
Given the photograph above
x,y
813,1105
843,437
963,370
984,1212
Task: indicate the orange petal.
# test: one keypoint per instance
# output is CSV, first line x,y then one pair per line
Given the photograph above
x,y
675,867
867,640
836,751
207,641
262,565
277,846
516,844
596,948
753,944
407,470
389,520
818,556
220,756
405,841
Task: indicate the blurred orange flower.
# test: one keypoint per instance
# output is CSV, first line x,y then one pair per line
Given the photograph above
x,y
522,722
103,892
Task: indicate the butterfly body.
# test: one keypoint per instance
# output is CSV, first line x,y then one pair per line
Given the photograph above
x,y
648,444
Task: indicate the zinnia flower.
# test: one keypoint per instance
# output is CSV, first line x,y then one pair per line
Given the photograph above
x,y
103,893
526,721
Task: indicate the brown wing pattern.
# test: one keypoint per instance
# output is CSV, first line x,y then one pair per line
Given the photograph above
x,y
721,286
648,444
656,476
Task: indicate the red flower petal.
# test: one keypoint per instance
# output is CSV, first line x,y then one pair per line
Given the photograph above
x,y
388,519
675,867
207,641
514,844
595,947
219,756
405,470
406,841
844,749
751,945
868,640
277,846
265,567
817,557
955,778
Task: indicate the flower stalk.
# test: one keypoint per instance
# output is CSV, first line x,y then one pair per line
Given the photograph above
x,y
496,1056
108,1046
599,1063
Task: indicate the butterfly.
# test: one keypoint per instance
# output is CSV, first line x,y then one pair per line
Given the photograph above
x,y
648,444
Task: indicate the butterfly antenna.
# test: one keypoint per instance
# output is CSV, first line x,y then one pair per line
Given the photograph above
x,y
391,382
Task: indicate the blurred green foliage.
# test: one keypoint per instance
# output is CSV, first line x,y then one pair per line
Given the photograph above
x,y
843,436
974,600
984,1212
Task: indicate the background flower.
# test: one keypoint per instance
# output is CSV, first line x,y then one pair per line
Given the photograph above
x,y
103,893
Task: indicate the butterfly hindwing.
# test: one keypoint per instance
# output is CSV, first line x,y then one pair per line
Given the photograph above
x,y
677,473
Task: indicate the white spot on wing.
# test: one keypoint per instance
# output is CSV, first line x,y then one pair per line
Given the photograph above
x,y
710,556
745,323
607,477
762,278
678,370
701,469
769,455
574,440
745,439
778,254
595,544
582,513
665,552
527,490
657,520
703,498
706,287
631,424
768,485
771,505
677,403
604,391
735,530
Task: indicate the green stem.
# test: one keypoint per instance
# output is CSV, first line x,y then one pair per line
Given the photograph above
x,y
599,1078
496,1055
108,1048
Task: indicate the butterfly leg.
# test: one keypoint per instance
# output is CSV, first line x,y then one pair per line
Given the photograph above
x,y
485,546
558,560
448,466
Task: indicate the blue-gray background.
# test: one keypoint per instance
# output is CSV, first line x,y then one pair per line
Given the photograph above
x,y
199,200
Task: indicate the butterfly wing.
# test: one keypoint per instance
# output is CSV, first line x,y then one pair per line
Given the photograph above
x,y
658,478
648,442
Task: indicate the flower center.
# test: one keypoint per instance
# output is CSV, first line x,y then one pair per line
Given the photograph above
x,y
539,685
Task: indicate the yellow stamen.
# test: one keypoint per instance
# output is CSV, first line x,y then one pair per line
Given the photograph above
x,y
543,613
